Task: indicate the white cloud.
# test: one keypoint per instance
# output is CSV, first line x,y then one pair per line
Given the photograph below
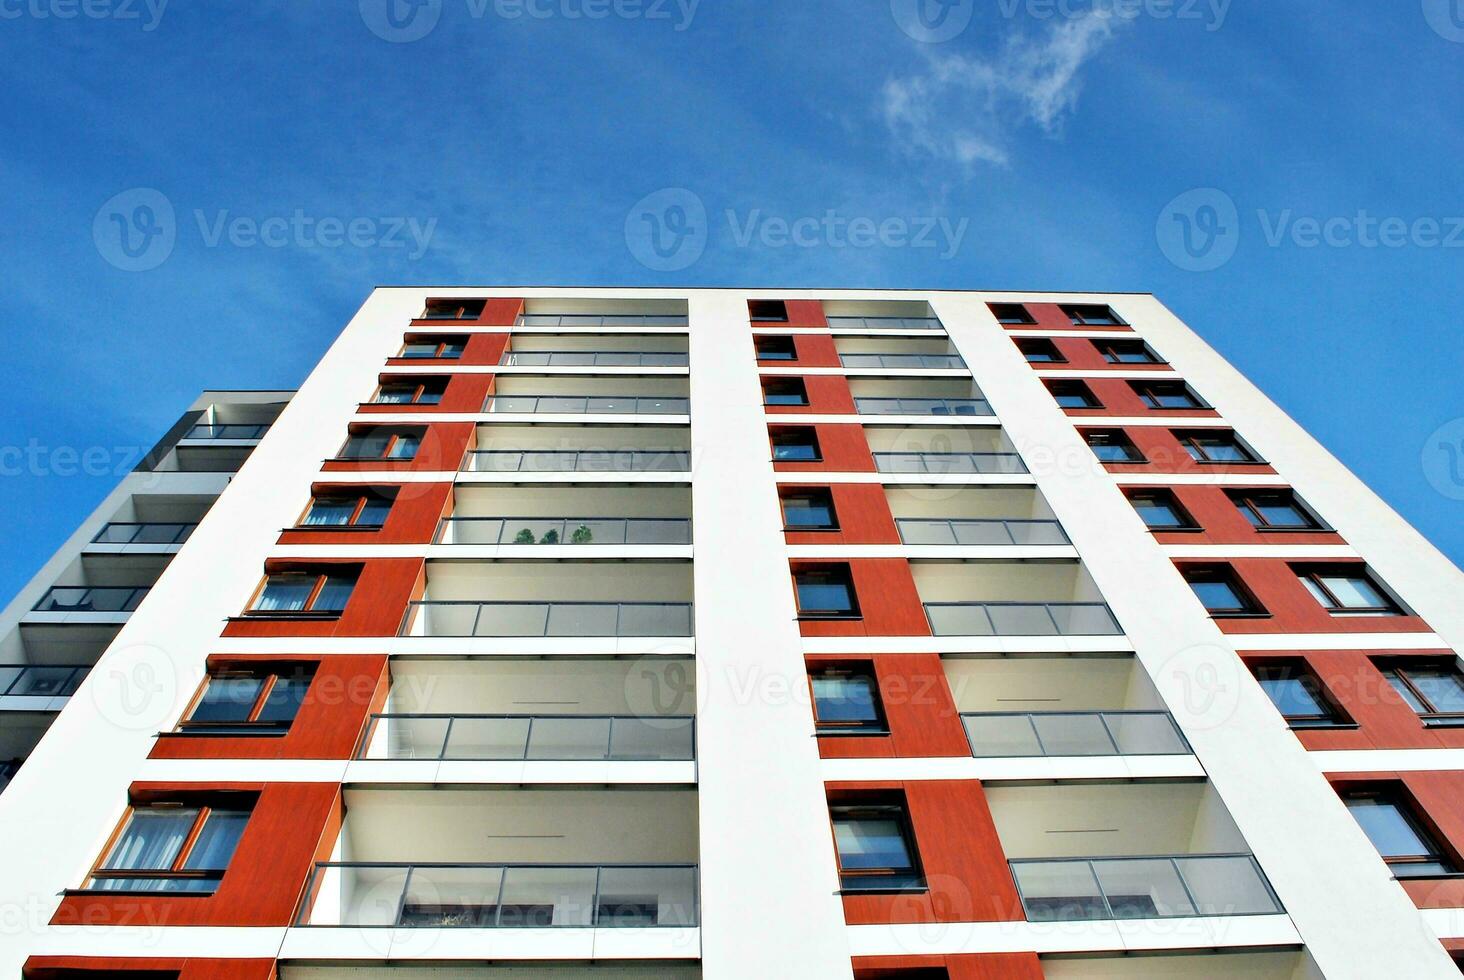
x,y
963,108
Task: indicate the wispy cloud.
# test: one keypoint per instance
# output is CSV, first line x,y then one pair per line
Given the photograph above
x,y
964,108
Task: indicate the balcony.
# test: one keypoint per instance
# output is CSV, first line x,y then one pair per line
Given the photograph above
x,y
651,515
549,599
119,533
1151,850
39,687
599,859
580,449
1258,964
596,350
91,599
942,450
228,432
898,353
985,516
1018,599
579,395
942,397
880,315
1061,707
603,313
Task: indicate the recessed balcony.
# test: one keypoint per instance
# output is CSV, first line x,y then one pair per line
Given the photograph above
x,y
521,394
1032,707
1012,598
880,315
898,353
978,516
1248,964
522,516
942,450
1127,851
581,449
955,397
554,599
596,350
603,313
601,859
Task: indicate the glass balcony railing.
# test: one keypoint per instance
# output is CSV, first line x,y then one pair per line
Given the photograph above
x,y
1021,619
38,681
120,533
564,530
578,405
577,461
985,463
74,599
923,361
462,619
1182,886
519,738
602,320
885,323
923,406
1008,735
502,896
981,531
231,431
595,358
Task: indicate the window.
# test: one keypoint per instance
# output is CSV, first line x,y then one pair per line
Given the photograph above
x,y
1275,510
171,848
876,848
784,391
846,701
1011,314
1297,694
1221,592
795,446
1397,835
1167,394
366,511
249,702
434,348
1073,394
305,592
825,592
411,391
809,510
1214,446
453,309
1087,315
382,444
1040,352
1347,590
1127,352
775,348
1161,511
1435,690
1112,446
767,311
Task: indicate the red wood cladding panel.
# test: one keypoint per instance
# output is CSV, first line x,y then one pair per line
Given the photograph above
x,y
917,705
1221,522
844,450
496,313
811,350
888,602
1357,687
264,880
863,514
442,449
328,726
111,968
465,394
1292,608
413,519
804,313
1438,804
984,966
481,349
1082,355
1118,398
1049,316
828,394
375,608
1164,454
960,854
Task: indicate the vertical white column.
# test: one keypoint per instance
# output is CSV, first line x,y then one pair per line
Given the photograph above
x,y
770,906
1355,920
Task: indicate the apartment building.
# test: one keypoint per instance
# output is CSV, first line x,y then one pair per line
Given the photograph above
x,y
561,633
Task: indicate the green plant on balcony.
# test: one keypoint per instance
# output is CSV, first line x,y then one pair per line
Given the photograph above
x,y
582,535
524,537
550,537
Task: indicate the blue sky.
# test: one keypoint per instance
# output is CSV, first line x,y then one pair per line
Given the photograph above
x,y
1056,136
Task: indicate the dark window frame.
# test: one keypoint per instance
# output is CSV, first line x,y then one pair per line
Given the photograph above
x,y
466,309
206,805
1331,715
1190,441
1012,314
270,675
1114,437
308,611
1052,354
1396,671
1170,500
444,347
891,879
878,725
786,344
358,502
387,454
1150,392
1246,501
433,388
1315,573
1250,607
767,311
792,433
1409,813
835,574
1109,349
1071,387
789,493
1086,315
791,387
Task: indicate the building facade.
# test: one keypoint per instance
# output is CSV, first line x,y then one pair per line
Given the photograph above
x,y
558,633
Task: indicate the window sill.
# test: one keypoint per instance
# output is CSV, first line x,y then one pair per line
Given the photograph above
x,y
184,733
1176,530
133,895
1446,876
829,618
1241,615
889,890
811,530
1442,722
1329,726
334,528
287,616
853,733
